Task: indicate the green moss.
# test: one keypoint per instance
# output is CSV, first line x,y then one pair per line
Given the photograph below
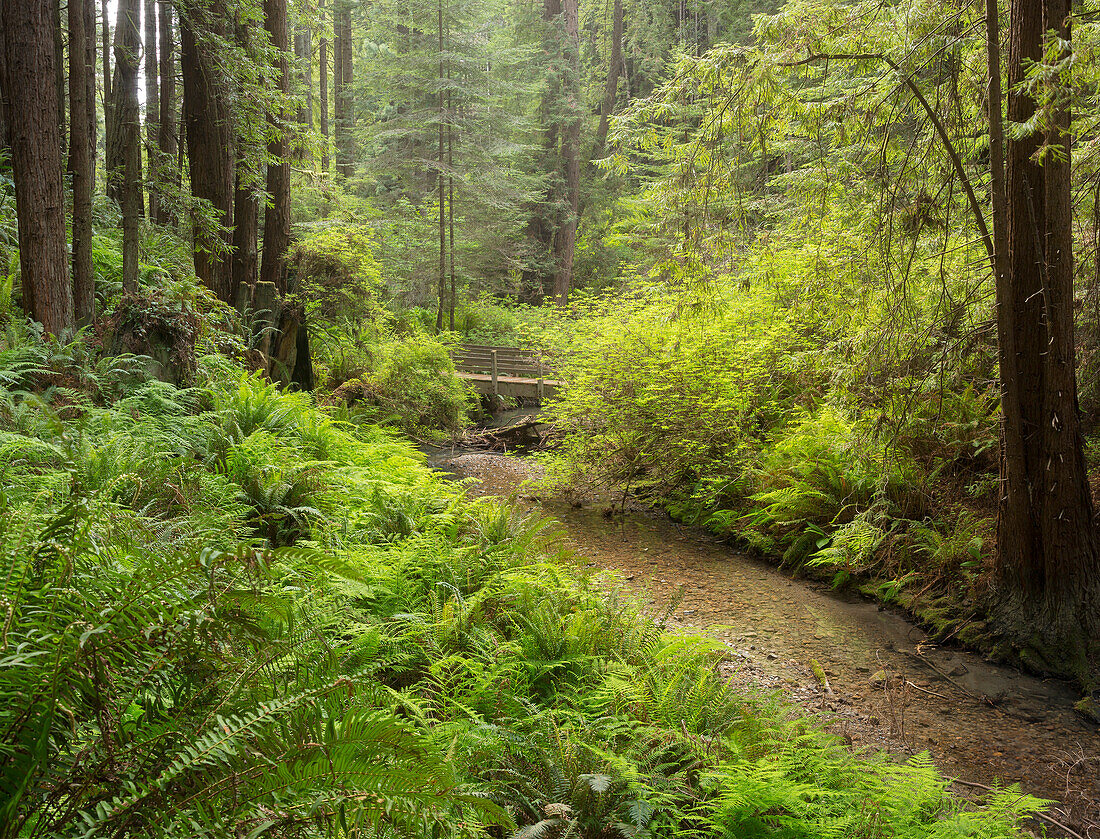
x,y
1088,708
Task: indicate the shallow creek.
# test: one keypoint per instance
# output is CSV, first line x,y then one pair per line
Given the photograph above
x,y
888,686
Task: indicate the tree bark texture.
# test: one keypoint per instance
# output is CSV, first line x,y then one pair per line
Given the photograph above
x,y
152,109
342,83
90,51
442,116
30,72
124,182
246,218
5,104
167,131
59,73
80,162
1047,576
277,213
106,67
209,131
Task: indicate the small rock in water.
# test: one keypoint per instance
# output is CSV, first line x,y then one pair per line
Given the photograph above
x,y
879,678
958,670
772,656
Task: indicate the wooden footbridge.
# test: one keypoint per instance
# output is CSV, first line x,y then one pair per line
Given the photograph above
x,y
505,371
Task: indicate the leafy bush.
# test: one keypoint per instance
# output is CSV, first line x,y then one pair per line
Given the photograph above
x,y
413,386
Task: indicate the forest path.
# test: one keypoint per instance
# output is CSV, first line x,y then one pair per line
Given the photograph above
x,y
890,686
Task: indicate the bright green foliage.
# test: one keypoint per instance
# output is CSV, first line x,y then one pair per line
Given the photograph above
x,y
417,663
802,356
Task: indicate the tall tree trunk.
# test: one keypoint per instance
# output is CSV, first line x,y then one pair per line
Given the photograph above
x,y
303,54
167,132
209,133
80,163
59,73
29,81
566,239
125,126
108,98
342,83
124,147
152,110
5,103
90,51
439,178
1047,576
277,213
451,190
246,219
323,60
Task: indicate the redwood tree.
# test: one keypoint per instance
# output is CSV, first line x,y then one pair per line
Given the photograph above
x,y
29,76
80,160
277,214
209,129
167,136
1047,580
152,108
342,80
124,182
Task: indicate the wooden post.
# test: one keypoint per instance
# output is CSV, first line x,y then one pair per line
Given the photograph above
x,y
538,369
493,362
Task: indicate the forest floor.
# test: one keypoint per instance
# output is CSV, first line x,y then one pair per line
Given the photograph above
x,y
887,685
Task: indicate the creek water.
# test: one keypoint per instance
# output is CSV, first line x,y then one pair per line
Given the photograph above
x,y
888,684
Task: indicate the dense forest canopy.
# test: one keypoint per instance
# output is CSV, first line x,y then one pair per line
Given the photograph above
x,y
821,277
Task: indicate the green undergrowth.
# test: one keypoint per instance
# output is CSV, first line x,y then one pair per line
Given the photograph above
x,y
759,411
228,612
388,367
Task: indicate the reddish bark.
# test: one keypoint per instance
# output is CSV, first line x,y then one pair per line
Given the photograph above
x,y
30,71
277,212
80,162
211,146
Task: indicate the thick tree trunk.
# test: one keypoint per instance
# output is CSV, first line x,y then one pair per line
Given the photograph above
x,y
90,50
277,213
124,147
167,131
152,110
5,104
29,59
124,136
342,84
211,149
303,55
566,239
1047,576
80,163
107,97
246,219
59,73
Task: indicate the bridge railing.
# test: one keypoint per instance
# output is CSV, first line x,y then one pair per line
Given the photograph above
x,y
500,361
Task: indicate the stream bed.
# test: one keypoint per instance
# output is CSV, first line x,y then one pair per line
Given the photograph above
x,y
888,685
